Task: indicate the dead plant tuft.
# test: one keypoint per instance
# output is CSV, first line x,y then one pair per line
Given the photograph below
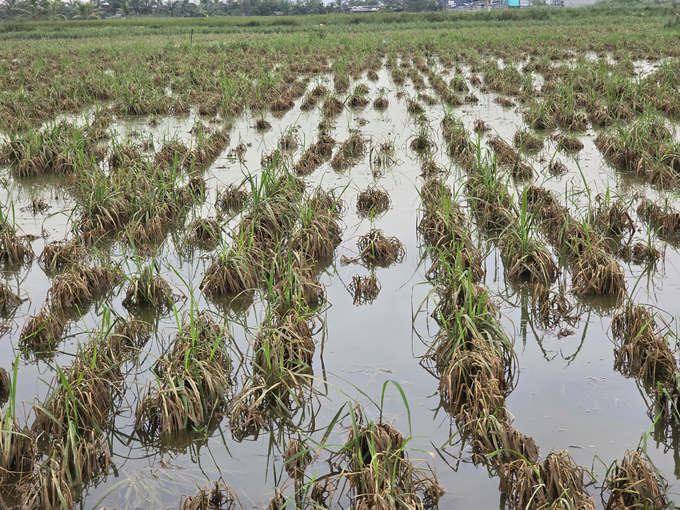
x,y
297,458
205,232
79,284
215,496
555,483
148,289
364,289
596,272
9,301
43,330
526,140
373,201
634,484
376,249
61,254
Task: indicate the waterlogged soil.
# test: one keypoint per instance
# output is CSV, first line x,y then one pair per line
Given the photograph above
x,y
568,396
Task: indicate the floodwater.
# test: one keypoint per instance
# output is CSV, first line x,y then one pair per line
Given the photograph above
x,y
568,396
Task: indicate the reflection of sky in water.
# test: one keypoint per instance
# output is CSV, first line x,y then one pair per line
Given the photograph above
x,y
568,395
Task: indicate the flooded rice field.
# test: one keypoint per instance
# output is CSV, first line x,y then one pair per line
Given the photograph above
x,y
414,288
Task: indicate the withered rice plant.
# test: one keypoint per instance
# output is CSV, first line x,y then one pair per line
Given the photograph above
x,y
205,232
482,127
148,289
214,496
613,220
526,140
192,380
380,472
349,151
171,153
48,487
294,283
308,102
332,107
551,307
474,384
358,97
492,434
663,219
640,253
282,104
434,191
640,348
317,234
429,168
9,301
376,249
460,145
326,202
507,156
84,396
527,258
231,198
414,107
556,167
308,162
596,272
284,348
461,254
262,124
127,337
13,248
43,330
124,155
5,385
469,320
60,254
17,448
634,484
443,224
381,103
556,482
233,270
491,201
296,458
364,289
79,284
504,102
568,143
208,147
373,201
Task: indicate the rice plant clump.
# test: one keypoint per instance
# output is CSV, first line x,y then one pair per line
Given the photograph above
x,y
193,380
9,301
364,289
78,285
205,232
373,201
284,348
148,289
527,141
231,198
61,254
640,349
43,330
556,482
376,249
233,270
634,484
380,471
214,496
